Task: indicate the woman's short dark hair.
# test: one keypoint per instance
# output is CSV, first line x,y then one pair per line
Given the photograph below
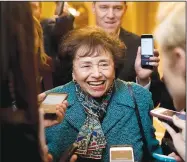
x,y
92,39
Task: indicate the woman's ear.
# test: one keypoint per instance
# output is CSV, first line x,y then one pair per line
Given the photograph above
x,y
179,54
73,76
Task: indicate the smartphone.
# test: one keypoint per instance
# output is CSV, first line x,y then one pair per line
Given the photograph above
x,y
50,102
68,153
59,8
147,47
121,153
163,158
166,114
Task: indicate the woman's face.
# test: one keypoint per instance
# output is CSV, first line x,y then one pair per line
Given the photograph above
x,y
174,72
95,73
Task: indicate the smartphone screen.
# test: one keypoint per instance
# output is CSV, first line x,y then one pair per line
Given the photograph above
x,y
121,154
50,102
147,46
54,98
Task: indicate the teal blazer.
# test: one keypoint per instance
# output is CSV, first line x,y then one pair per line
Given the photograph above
x,y
120,125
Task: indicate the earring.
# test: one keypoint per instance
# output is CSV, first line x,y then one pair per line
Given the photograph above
x,y
73,79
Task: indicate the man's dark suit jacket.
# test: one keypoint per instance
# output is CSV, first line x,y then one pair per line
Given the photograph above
x,y
127,73
53,32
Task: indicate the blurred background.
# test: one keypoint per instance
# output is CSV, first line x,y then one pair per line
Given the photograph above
x,y
137,14
139,19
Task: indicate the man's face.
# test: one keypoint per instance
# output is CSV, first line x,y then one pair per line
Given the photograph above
x,y
109,15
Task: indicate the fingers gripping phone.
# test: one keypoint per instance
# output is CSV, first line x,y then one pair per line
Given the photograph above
x,y
50,102
68,153
166,115
147,47
121,153
59,8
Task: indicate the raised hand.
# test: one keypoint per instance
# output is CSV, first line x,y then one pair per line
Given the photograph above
x,y
60,112
143,75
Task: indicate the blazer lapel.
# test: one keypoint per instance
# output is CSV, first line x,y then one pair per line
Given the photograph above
x,y
121,106
75,114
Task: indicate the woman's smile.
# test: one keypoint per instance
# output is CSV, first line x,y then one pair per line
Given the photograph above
x,y
97,85
95,74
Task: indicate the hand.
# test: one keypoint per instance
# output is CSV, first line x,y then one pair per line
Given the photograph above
x,y
41,98
60,112
65,10
49,158
143,75
73,158
178,138
177,158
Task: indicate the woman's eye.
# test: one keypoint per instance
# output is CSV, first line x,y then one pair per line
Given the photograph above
x,y
85,66
104,64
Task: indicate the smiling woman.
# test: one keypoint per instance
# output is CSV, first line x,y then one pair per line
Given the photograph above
x,y
95,74
101,111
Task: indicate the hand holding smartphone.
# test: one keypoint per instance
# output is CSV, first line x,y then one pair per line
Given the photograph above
x,y
69,153
59,8
166,114
147,47
121,153
50,102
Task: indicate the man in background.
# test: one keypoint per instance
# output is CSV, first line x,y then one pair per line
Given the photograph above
x,y
54,29
109,16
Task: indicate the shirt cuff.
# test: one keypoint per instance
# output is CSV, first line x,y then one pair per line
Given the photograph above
x,y
147,86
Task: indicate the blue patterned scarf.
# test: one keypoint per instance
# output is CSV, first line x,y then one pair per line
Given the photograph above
x,y
91,139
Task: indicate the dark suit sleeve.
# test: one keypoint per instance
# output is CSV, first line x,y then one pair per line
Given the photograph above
x,y
63,72
48,36
155,87
62,26
54,31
